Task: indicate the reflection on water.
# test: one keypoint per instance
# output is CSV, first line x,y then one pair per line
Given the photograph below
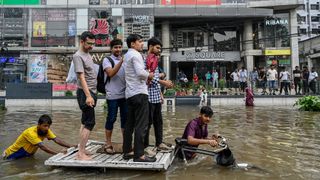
x,y
282,142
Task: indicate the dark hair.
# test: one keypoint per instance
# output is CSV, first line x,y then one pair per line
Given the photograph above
x,y
87,34
45,119
154,41
206,110
133,38
115,42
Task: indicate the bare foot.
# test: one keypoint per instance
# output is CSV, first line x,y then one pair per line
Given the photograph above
x,y
88,152
83,157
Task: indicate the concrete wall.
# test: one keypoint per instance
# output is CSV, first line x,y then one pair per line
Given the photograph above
x,y
260,101
194,101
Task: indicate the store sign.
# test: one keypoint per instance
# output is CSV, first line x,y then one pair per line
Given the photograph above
x,y
64,87
205,55
19,2
273,22
57,15
191,2
98,57
141,19
99,26
277,52
94,2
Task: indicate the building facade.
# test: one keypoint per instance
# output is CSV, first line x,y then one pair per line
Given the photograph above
x,y
309,19
38,37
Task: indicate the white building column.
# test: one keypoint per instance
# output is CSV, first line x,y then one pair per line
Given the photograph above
x,y
310,63
248,44
165,29
294,38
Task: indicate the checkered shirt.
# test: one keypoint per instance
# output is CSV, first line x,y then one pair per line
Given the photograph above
x,y
154,88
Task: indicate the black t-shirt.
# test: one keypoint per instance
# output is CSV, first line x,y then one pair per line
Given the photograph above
x,y
305,75
262,75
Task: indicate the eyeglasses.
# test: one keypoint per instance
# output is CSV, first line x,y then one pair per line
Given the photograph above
x,y
90,43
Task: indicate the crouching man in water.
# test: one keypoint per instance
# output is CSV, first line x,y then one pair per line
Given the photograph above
x,y
32,138
196,132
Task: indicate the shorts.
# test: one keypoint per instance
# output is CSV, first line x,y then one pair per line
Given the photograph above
x,y
88,116
236,84
21,153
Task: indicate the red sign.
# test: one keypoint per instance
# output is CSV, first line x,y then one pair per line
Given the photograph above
x,y
191,2
99,26
64,87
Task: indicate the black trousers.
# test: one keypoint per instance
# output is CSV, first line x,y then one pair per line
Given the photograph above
x,y
155,118
297,86
305,87
312,86
137,122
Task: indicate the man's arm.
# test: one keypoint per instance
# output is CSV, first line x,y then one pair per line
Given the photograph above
x,y
62,143
113,71
47,149
139,69
195,142
166,83
89,100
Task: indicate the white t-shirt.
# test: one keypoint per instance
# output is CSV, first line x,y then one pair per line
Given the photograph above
x,y
272,75
284,75
235,76
115,88
243,75
312,75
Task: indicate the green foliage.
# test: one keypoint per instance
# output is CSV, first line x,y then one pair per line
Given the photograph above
x,y
170,92
308,103
222,84
69,93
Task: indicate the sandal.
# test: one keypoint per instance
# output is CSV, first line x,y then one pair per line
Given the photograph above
x,y
109,149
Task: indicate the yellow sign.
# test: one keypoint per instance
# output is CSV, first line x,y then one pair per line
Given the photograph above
x,y
276,52
39,29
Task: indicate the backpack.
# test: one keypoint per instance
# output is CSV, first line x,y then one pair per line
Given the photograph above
x,y
100,78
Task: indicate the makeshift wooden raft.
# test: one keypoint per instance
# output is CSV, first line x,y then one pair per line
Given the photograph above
x,y
164,159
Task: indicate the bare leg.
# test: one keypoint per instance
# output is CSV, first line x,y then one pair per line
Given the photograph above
x,y
122,131
84,136
108,137
81,129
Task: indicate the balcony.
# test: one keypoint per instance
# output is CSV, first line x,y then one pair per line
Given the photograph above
x,y
275,4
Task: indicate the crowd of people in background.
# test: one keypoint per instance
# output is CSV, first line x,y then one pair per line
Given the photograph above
x,y
271,80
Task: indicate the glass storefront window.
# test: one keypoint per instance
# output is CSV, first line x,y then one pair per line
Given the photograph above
x,y
276,31
218,40
13,24
53,27
225,41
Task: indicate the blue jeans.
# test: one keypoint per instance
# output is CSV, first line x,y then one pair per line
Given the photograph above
x,y
272,85
113,111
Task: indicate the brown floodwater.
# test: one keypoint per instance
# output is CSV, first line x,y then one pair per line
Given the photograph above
x,y
281,142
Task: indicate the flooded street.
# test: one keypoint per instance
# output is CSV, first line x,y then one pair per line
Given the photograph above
x,y
281,142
